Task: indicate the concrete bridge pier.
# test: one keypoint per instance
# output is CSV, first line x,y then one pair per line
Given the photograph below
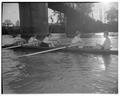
x,y
72,24
34,18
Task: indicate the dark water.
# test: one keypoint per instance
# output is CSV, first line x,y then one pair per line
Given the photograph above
x,y
59,72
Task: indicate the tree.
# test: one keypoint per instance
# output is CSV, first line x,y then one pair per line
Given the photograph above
x,y
17,23
112,17
82,20
60,16
84,8
112,14
8,23
3,24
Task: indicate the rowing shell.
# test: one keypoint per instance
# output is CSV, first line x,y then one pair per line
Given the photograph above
x,y
90,50
72,49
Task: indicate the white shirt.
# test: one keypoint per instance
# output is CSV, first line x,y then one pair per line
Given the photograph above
x,y
49,41
46,40
76,39
32,39
107,43
18,38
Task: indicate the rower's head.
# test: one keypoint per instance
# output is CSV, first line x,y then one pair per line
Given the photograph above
x,y
106,34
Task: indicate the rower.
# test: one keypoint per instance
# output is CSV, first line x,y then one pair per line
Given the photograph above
x,y
34,41
106,44
47,42
19,40
77,40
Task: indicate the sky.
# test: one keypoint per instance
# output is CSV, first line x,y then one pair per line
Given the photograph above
x,y
11,12
99,10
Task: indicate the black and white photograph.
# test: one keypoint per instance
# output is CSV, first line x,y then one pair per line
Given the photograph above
x,y
59,47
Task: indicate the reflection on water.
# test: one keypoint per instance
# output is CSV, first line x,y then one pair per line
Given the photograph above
x,y
59,72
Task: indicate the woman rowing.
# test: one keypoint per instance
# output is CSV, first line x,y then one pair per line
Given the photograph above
x,y
47,42
77,40
19,40
33,41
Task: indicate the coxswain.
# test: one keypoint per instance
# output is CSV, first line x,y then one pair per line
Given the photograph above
x,y
106,44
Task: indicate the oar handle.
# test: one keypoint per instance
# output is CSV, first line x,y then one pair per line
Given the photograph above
x,y
12,47
15,46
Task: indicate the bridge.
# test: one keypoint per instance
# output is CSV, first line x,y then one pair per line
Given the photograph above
x,y
34,16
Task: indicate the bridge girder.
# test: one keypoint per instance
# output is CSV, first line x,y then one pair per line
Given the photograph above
x,y
34,17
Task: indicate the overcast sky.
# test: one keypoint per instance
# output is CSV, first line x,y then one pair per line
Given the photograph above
x,y
11,11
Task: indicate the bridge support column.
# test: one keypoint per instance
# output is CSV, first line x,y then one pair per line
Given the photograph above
x,y
34,18
71,25
74,23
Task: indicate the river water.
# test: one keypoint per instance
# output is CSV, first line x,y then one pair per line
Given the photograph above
x,y
60,72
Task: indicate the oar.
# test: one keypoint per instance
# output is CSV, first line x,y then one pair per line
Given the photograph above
x,y
50,50
12,47
15,46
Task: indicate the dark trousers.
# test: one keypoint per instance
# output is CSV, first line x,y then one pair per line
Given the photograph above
x,y
44,44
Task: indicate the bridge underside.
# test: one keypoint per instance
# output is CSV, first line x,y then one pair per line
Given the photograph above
x,y
34,17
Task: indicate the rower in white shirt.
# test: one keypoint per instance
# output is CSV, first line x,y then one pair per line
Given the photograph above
x,y
19,40
33,41
106,44
77,40
47,42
